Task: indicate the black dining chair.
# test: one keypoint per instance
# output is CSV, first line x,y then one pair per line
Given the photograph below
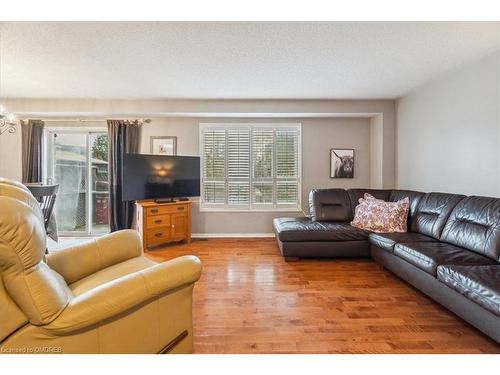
x,y
46,196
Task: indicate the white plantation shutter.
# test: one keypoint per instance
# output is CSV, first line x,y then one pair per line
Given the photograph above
x,y
238,193
263,192
286,153
262,146
238,166
287,167
251,166
214,192
286,192
263,166
214,153
214,166
238,153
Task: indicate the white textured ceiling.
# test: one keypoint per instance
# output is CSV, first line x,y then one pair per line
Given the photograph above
x,y
289,60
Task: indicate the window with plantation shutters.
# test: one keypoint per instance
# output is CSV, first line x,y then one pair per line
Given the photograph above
x,y
250,166
214,166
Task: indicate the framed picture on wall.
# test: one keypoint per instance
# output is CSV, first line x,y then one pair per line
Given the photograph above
x,y
163,145
341,163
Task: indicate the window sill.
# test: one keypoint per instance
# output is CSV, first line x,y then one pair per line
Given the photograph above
x,y
256,210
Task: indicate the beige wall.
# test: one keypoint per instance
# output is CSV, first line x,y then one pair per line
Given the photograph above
x,y
318,137
10,155
377,151
448,132
326,123
48,108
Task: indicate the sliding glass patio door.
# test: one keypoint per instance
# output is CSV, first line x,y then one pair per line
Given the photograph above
x,y
78,162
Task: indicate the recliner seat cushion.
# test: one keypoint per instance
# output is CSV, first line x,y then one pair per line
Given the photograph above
x,y
304,229
387,241
432,213
329,205
429,255
475,225
480,284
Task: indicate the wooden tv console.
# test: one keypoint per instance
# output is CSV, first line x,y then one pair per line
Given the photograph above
x,y
161,223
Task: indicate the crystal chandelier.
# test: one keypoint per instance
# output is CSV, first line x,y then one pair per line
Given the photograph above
x,y
7,120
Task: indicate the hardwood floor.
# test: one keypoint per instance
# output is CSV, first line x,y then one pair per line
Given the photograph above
x,y
249,300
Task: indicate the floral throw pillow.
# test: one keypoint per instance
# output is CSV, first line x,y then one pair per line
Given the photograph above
x,y
379,216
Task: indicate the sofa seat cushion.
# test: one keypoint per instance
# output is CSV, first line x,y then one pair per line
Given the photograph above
x,y
110,273
480,284
304,229
429,255
387,241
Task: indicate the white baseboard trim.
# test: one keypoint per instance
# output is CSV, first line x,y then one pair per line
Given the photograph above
x,y
232,235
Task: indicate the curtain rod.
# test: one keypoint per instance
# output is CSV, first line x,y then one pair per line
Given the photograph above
x,y
145,121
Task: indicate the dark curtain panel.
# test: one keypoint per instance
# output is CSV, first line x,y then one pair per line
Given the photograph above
x,y
123,137
32,149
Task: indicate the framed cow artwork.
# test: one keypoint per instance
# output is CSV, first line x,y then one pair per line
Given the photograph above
x,y
341,163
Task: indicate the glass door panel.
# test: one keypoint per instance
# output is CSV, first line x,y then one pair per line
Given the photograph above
x,y
99,220
78,162
70,172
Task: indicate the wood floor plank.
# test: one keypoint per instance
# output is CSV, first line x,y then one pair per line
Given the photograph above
x,y
249,300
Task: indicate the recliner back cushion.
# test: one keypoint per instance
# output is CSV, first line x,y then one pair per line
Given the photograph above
x,y
11,317
39,292
413,196
329,205
432,213
355,194
474,224
22,194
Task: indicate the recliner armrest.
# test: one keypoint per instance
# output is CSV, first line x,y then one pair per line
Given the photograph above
x,y
118,296
79,261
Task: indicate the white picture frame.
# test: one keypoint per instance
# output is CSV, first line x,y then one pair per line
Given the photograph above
x,y
163,145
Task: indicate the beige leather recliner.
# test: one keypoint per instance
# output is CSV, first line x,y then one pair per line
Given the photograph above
x,y
103,296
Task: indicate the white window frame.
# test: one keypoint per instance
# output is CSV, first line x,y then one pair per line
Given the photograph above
x,y
252,207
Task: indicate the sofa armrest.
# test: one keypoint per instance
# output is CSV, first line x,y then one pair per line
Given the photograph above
x,y
116,297
79,261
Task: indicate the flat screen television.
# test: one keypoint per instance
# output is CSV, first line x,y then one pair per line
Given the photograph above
x,y
160,177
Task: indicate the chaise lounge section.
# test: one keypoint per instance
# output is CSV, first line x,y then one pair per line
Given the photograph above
x,y
451,251
328,233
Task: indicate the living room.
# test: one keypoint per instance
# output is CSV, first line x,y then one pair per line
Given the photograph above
x,y
306,188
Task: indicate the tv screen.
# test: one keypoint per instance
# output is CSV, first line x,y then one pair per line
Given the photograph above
x,y
159,176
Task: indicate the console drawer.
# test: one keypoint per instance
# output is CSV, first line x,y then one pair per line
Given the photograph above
x,y
161,210
156,221
159,235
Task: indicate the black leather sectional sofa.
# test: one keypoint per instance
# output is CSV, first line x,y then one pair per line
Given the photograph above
x,y
451,251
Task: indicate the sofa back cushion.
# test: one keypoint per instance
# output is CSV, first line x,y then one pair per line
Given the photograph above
x,y
474,224
329,205
356,194
413,196
432,213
